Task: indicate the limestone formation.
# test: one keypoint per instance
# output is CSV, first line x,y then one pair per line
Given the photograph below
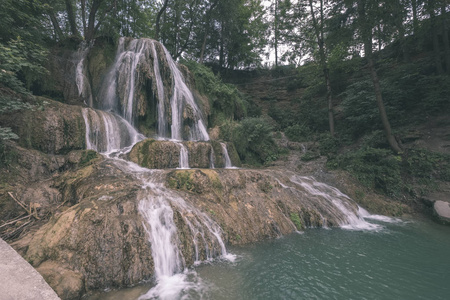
x,y
442,210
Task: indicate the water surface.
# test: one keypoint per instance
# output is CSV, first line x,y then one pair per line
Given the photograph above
x,y
400,260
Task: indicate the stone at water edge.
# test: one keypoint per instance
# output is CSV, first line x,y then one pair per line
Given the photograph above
x,y
19,279
442,209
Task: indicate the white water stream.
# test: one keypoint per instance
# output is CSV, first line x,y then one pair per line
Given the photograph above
x,y
226,157
184,156
111,132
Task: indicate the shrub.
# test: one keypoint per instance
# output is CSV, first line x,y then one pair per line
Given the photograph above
x,y
298,133
328,145
253,140
225,99
375,168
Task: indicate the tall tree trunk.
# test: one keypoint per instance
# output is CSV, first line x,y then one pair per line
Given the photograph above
x,y
207,28
366,32
319,30
202,50
276,33
91,27
384,119
415,20
71,17
436,51
83,16
55,24
221,46
158,19
445,37
379,36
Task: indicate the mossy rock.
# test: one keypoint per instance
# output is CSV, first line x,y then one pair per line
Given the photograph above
x,y
52,128
196,181
154,154
234,156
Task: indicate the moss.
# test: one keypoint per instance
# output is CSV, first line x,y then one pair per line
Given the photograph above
x,y
213,178
265,186
218,155
181,180
295,218
87,157
234,156
196,181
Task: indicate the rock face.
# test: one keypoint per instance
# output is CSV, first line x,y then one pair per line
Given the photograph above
x,y
51,127
99,241
22,281
157,154
442,210
253,205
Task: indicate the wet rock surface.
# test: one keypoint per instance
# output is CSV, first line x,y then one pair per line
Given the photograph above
x,y
51,127
160,154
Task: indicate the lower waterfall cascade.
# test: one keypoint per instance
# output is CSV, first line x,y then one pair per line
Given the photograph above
x,y
112,131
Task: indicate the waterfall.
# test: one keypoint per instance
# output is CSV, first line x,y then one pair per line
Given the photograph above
x,y
157,205
182,95
162,234
211,158
106,132
335,202
162,121
226,157
81,80
184,156
132,63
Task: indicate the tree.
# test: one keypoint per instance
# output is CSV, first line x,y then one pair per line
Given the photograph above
x,y
158,19
365,23
318,25
431,7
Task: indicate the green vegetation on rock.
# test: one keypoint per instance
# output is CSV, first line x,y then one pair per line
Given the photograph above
x,y
295,218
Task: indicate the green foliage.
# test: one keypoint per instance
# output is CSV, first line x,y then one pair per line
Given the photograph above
x,y
298,133
87,157
295,218
226,101
21,63
7,134
253,140
427,165
11,103
390,174
7,155
181,180
375,168
328,145
284,117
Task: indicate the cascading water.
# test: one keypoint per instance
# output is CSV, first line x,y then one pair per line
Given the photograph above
x,y
335,202
157,205
211,158
182,96
81,80
184,156
125,74
162,122
106,132
226,157
111,130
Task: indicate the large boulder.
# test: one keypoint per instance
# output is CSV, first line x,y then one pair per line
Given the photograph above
x,y
97,242
51,127
442,211
161,154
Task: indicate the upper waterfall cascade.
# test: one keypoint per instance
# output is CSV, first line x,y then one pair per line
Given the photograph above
x,y
140,63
